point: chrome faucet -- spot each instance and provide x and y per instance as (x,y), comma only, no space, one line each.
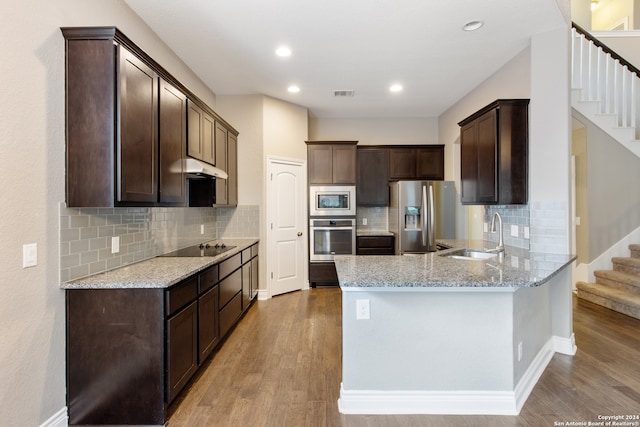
(500,247)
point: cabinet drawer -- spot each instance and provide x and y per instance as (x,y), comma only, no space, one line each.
(375,242)
(246,255)
(230,286)
(230,314)
(181,294)
(208,279)
(375,251)
(228,266)
(254,250)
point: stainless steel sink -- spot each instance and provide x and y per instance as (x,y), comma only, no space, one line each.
(471,254)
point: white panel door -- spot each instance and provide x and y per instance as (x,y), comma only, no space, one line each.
(288,228)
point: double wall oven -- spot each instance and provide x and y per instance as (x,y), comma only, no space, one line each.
(332,223)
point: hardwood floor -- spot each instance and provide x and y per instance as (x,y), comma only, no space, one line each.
(281,366)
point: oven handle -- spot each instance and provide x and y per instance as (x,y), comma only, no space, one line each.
(331,228)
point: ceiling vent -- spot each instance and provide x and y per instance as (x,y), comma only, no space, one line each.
(339,93)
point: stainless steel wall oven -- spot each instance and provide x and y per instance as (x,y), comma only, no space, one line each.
(331,236)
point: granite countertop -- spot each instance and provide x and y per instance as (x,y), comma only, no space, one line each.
(518,268)
(158,272)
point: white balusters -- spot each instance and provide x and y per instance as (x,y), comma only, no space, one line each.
(605,80)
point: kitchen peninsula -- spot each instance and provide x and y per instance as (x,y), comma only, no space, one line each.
(431,334)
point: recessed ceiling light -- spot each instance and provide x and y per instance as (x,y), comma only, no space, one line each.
(293,89)
(283,51)
(473,25)
(396,88)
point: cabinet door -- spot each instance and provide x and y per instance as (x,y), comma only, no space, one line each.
(344,164)
(137,143)
(246,285)
(254,277)
(430,162)
(402,163)
(372,186)
(232,169)
(195,146)
(320,158)
(173,135)
(222,195)
(182,349)
(468,162)
(201,135)
(208,321)
(487,152)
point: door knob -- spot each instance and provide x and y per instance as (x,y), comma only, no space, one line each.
(299,233)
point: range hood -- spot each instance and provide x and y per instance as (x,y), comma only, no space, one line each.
(194,166)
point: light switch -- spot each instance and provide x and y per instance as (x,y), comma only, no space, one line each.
(514,231)
(115,244)
(29,255)
(526,232)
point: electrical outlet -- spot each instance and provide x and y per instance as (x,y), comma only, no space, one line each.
(520,351)
(526,232)
(362,309)
(364,221)
(201,228)
(29,255)
(514,231)
(115,244)
(486,227)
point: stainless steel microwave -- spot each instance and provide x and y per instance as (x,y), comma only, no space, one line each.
(332,200)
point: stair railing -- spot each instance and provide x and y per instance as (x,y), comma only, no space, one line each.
(606,77)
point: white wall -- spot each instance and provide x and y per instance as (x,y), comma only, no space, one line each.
(245,114)
(267,127)
(376,131)
(285,129)
(32,314)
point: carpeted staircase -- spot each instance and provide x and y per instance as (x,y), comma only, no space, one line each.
(617,289)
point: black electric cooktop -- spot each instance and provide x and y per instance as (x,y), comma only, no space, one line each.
(203,249)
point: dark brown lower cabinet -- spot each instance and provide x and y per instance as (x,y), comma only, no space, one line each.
(323,274)
(130,352)
(230,300)
(182,348)
(115,356)
(375,245)
(208,321)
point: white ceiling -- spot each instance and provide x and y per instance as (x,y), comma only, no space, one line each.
(360,45)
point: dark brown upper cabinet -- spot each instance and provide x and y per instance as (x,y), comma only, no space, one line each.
(494,145)
(126,123)
(201,143)
(331,162)
(226,144)
(418,162)
(173,135)
(372,187)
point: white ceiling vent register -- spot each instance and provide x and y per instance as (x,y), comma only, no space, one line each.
(338,93)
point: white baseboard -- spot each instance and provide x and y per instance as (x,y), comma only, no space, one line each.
(565,345)
(263,294)
(474,402)
(59,419)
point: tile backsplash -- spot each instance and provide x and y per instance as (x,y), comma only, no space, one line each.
(512,215)
(86,233)
(377,218)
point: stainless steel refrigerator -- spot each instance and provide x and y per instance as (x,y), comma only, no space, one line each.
(421,212)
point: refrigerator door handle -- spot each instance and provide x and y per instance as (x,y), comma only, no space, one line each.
(423,212)
(432,230)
